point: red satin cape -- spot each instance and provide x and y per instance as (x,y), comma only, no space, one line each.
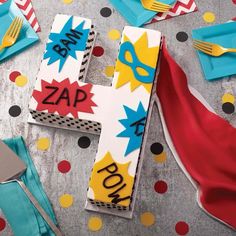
(205,143)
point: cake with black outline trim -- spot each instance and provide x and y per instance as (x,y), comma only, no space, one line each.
(118,113)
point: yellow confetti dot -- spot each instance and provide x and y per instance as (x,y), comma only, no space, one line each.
(66,200)
(161,158)
(109,71)
(95,223)
(21,80)
(43,143)
(209,17)
(68,1)
(114,34)
(147,219)
(228,97)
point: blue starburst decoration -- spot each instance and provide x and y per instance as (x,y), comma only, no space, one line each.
(134,127)
(66,43)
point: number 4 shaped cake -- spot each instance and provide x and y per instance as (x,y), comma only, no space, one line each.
(119,113)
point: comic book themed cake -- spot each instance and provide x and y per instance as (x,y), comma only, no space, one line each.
(119,113)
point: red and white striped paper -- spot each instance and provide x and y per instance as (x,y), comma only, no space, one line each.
(28,11)
(181,7)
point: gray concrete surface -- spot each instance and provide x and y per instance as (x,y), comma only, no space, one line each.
(179,203)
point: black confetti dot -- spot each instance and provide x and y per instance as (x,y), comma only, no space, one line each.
(14,111)
(157,148)
(182,36)
(228,108)
(105,12)
(84,142)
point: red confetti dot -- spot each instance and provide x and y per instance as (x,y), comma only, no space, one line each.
(14,75)
(234,1)
(182,228)
(160,187)
(2,224)
(234,19)
(98,51)
(64,166)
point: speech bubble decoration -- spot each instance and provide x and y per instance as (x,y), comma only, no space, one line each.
(110,179)
(134,127)
(64,97)
(118,113)
(66,43)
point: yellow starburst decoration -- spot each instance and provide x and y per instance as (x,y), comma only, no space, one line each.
(111,182)
(147,56)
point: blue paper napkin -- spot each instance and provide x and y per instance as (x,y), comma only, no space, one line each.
(20,213)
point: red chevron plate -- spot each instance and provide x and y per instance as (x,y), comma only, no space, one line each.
(181,7)
(28,11)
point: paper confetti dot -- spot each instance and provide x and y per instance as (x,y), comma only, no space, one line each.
(182,228)
(84,142)
(43,144)
(105,12)
(14,111)
(147,219)
(109,71)
(95,223)
(234,1)
(182,36)
(64,166)
(114,34)
(161,187)
(21,80)
(68,1)
(66,200)
(13,75)
(161,158)
(2,224)
(98,51)
(156,148)
(228,108)
(228,97)
(209,17)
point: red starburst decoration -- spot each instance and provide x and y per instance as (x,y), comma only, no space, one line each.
(64,97)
